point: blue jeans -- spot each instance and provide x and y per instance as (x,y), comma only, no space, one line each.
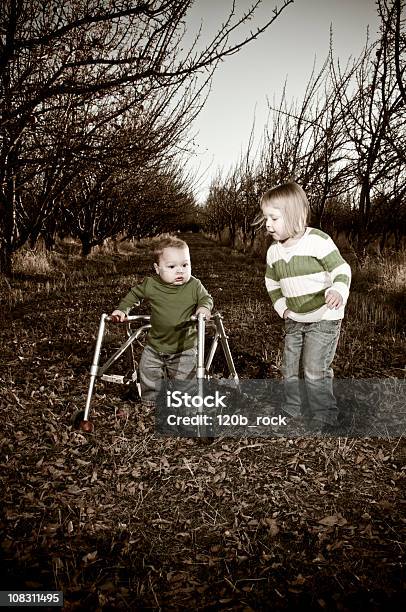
(155,367)
(311,346)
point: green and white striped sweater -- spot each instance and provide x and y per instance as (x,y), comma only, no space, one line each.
(299,276)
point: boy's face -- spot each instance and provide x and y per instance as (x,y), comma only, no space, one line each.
(174,266)
(274,221)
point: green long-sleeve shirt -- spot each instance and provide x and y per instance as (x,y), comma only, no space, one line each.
(171,309)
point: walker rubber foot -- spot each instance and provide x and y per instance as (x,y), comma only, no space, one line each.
(78,422)
(86,426)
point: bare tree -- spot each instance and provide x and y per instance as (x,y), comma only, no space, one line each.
(113,52)
(373,121)
(306,143)
(115,162)
(392,20)
(215,217)
(345,143)
(161,201)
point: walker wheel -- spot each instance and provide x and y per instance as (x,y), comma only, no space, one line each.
(78,422)
(76,418)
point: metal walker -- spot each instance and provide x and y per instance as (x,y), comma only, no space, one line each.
(81,418)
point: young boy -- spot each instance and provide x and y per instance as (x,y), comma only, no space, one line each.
(174,296)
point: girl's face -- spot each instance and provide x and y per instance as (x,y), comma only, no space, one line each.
(174,266)
(275,224)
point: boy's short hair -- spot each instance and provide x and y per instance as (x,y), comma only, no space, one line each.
(165,241)
(292,201)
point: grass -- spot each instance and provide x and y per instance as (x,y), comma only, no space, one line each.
(372,335)
(388,272)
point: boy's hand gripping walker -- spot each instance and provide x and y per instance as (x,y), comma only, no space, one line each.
(81,418)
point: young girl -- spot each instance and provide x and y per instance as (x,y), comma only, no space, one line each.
(308,282)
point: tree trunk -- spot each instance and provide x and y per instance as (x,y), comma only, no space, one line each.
(5,259)
(382,242)
(6,229)
(232,230)
(49,240)
(363,222)
(86,246)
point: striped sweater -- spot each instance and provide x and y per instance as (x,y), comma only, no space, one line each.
(298,277)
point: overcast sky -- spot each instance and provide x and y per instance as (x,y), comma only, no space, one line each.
(243,82)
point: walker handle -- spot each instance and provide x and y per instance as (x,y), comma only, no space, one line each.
(129,318)
(195,317)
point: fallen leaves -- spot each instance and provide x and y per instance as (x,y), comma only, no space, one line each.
(123,517)
(332,520)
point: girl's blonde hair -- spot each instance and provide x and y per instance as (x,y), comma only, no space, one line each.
(291,200)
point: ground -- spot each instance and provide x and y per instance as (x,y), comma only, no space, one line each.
(125,519)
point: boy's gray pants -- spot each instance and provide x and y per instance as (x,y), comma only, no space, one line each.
(155,367)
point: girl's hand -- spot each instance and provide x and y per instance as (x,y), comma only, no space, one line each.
(118,316)
(286,313)
(334,299)
(204,311)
